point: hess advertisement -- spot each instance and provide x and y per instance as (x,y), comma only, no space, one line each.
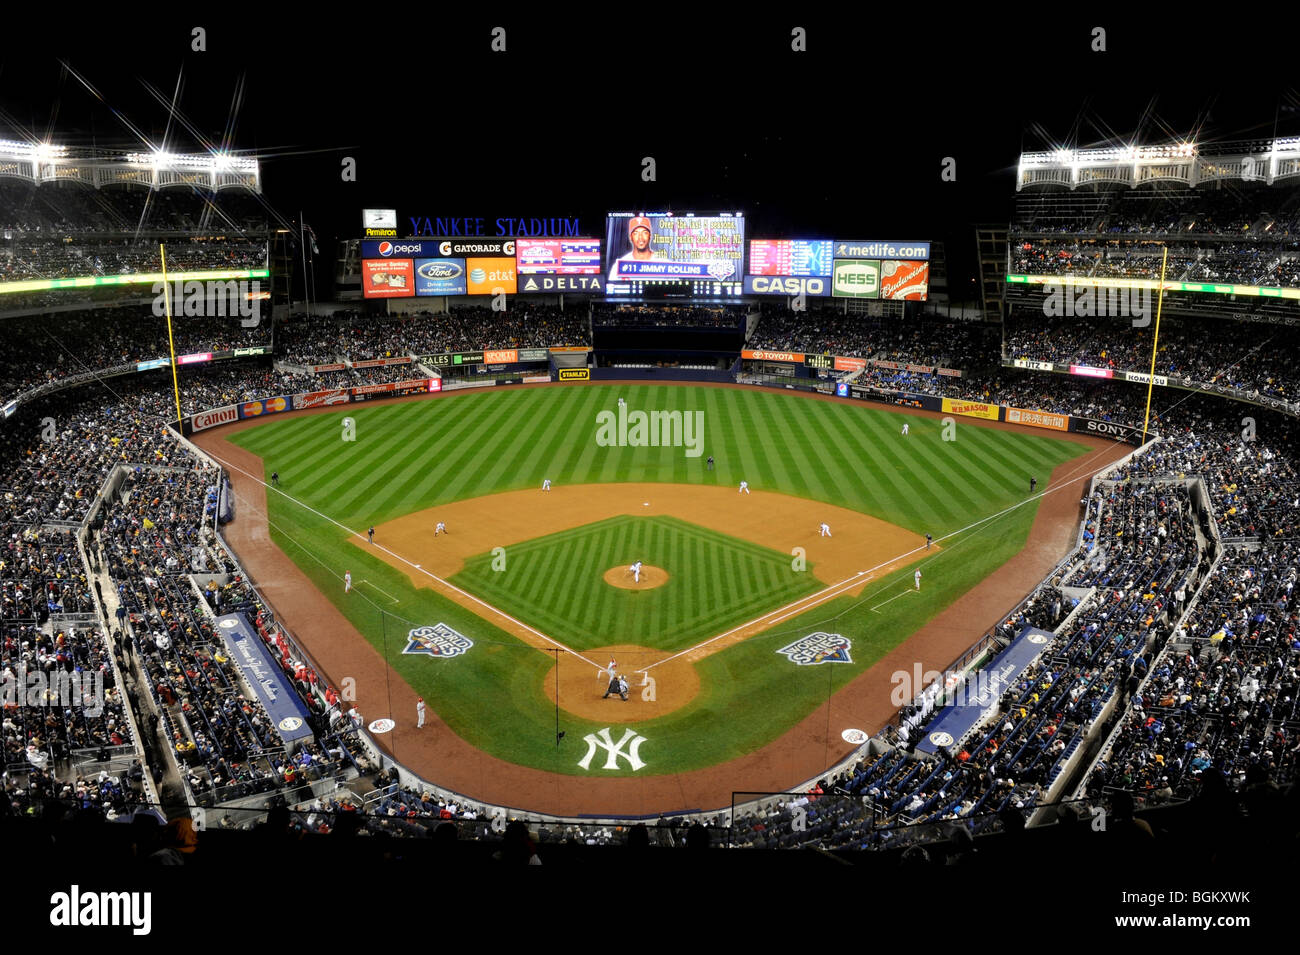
(706,251)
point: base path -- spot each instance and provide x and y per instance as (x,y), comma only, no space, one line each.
(803,752)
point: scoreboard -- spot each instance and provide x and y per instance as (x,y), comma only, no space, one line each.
(790,257)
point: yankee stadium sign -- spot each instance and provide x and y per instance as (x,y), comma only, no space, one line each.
(817,648)
(505,226)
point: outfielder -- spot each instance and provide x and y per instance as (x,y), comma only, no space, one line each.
(917,576)
(744,486)
(905,427)
(347,582)
(826,529)
(440,529)
(546,484)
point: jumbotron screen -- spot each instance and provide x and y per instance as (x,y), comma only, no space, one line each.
(699,256)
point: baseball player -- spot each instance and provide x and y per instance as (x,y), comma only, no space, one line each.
(905,429)
(371,532)
(826,529)
(275,478)
(917,577)
(440,529)
(347,582)
(609,672)
(419,712)
(636,572)
(621,402)
(1033,483)
(928,539)
(546,484)
(710,462)
(744,486)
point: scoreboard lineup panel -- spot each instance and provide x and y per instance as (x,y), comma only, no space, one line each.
(790,257)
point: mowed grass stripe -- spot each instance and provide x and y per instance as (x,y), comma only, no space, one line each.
(428,463)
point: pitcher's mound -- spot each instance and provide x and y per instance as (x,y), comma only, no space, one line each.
(651,577)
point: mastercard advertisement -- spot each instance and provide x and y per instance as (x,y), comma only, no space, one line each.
(484,276)
(388,278)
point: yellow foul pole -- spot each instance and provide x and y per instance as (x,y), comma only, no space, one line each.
(171,343)
(1155,343)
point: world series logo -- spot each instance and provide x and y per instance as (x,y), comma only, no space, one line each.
(437,641)
(817,648)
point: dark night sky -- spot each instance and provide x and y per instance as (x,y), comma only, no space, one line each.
(844,140)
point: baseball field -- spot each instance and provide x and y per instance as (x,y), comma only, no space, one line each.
(746,619)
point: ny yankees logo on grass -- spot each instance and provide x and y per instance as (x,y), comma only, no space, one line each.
(437,641)
(602,739)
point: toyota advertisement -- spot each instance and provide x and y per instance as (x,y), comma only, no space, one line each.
(703,255)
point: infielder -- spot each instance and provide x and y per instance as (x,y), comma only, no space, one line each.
(546,484)
(917,576)
(440,529)
(419,712)
(744,486)
(347,582)
(826,529)
(905,426)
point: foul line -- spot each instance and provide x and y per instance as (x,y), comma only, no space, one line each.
(835,590)
(434,577)
(881,604)
(381,590)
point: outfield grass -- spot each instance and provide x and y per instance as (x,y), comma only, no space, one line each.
(555,583)
(414,455)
